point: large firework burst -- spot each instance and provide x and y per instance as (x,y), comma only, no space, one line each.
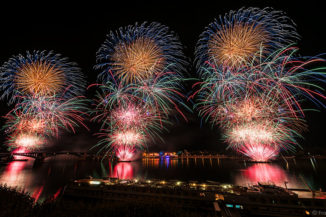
(235,38)
(120,109)
(39,78)
(259,106)
(280,79)
(40,73)
(138,52)
(34,120)
(137,60)
(24,131)
(56,113)
(140,86)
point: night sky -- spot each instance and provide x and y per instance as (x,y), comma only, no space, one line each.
(77,33)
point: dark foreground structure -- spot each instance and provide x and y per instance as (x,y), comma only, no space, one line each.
(204,199)
(113,197)
(15,203)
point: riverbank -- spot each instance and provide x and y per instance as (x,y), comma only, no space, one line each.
(16,203)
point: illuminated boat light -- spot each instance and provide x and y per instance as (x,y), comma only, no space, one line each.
(94,182)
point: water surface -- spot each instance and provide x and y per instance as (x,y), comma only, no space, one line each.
(49,177)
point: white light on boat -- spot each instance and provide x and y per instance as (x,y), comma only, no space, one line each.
(94,182)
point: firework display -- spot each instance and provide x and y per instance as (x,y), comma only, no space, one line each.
(138,52)
(40,73)
(140,86)
(259,153)
(234,39)
(46,90)
(253,83)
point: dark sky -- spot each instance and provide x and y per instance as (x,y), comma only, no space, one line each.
(78,31)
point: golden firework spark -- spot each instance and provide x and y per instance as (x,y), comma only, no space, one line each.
(137,60)
(235,45)
(39,78)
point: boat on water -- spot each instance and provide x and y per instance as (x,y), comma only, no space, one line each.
(262,199)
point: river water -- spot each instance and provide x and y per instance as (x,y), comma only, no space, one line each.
(49,177)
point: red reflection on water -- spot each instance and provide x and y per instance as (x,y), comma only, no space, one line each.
(123,170)
(18,151)
(12,171)
(37,193)
(11,175)
(17,173)
(265,173)
(55,196)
